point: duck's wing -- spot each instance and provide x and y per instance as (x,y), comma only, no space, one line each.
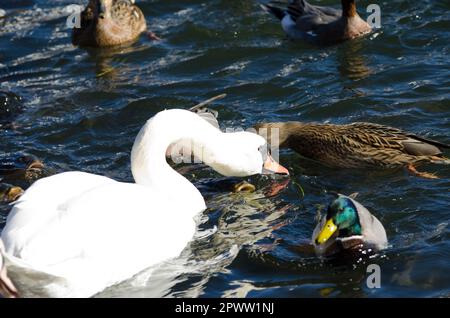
(385,137)
(126,13)
(303,13)
(316,20)
(206,113)
(372,229)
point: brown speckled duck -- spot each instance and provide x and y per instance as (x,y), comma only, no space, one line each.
(358,145)
(322,25)
(109,22)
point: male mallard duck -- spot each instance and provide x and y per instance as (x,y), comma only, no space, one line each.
(322,25)
(108,23)
(348,226)
(358,145)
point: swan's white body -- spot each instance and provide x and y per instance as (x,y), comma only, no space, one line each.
(83,232)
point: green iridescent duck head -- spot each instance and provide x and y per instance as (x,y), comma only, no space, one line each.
(342,216)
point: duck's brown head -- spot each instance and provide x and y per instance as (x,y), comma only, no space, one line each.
(278,133)
(108,23)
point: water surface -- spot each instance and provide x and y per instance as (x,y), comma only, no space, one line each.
(81,109)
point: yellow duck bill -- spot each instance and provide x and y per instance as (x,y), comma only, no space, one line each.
(326,232)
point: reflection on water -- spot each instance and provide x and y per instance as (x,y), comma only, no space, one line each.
(352,61)
(241,219)
(81,109)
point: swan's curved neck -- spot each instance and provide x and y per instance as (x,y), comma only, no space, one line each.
(148,156)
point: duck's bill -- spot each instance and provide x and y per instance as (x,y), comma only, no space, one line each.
(271,166)
(326,232)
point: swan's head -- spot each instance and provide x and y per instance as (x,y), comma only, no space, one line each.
(241,154)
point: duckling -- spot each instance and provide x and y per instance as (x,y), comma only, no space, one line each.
(358,145)
(318,24)
(22,169)
(9,193)
(109,22)
(348,226)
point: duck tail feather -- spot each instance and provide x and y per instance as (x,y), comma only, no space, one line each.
(441,161)
(277,12)
(430,141)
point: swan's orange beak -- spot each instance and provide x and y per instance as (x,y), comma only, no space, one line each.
(271,166)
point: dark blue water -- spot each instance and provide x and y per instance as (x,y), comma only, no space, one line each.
(81,109)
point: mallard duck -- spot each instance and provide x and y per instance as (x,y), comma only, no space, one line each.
(206,113)
(323,25)
(357,145)
(348,226)
(108,23)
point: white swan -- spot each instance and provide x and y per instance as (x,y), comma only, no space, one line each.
(74,234)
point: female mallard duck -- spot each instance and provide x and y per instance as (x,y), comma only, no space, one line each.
(358,145)
(108,23)
(348,226)
(321,25)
